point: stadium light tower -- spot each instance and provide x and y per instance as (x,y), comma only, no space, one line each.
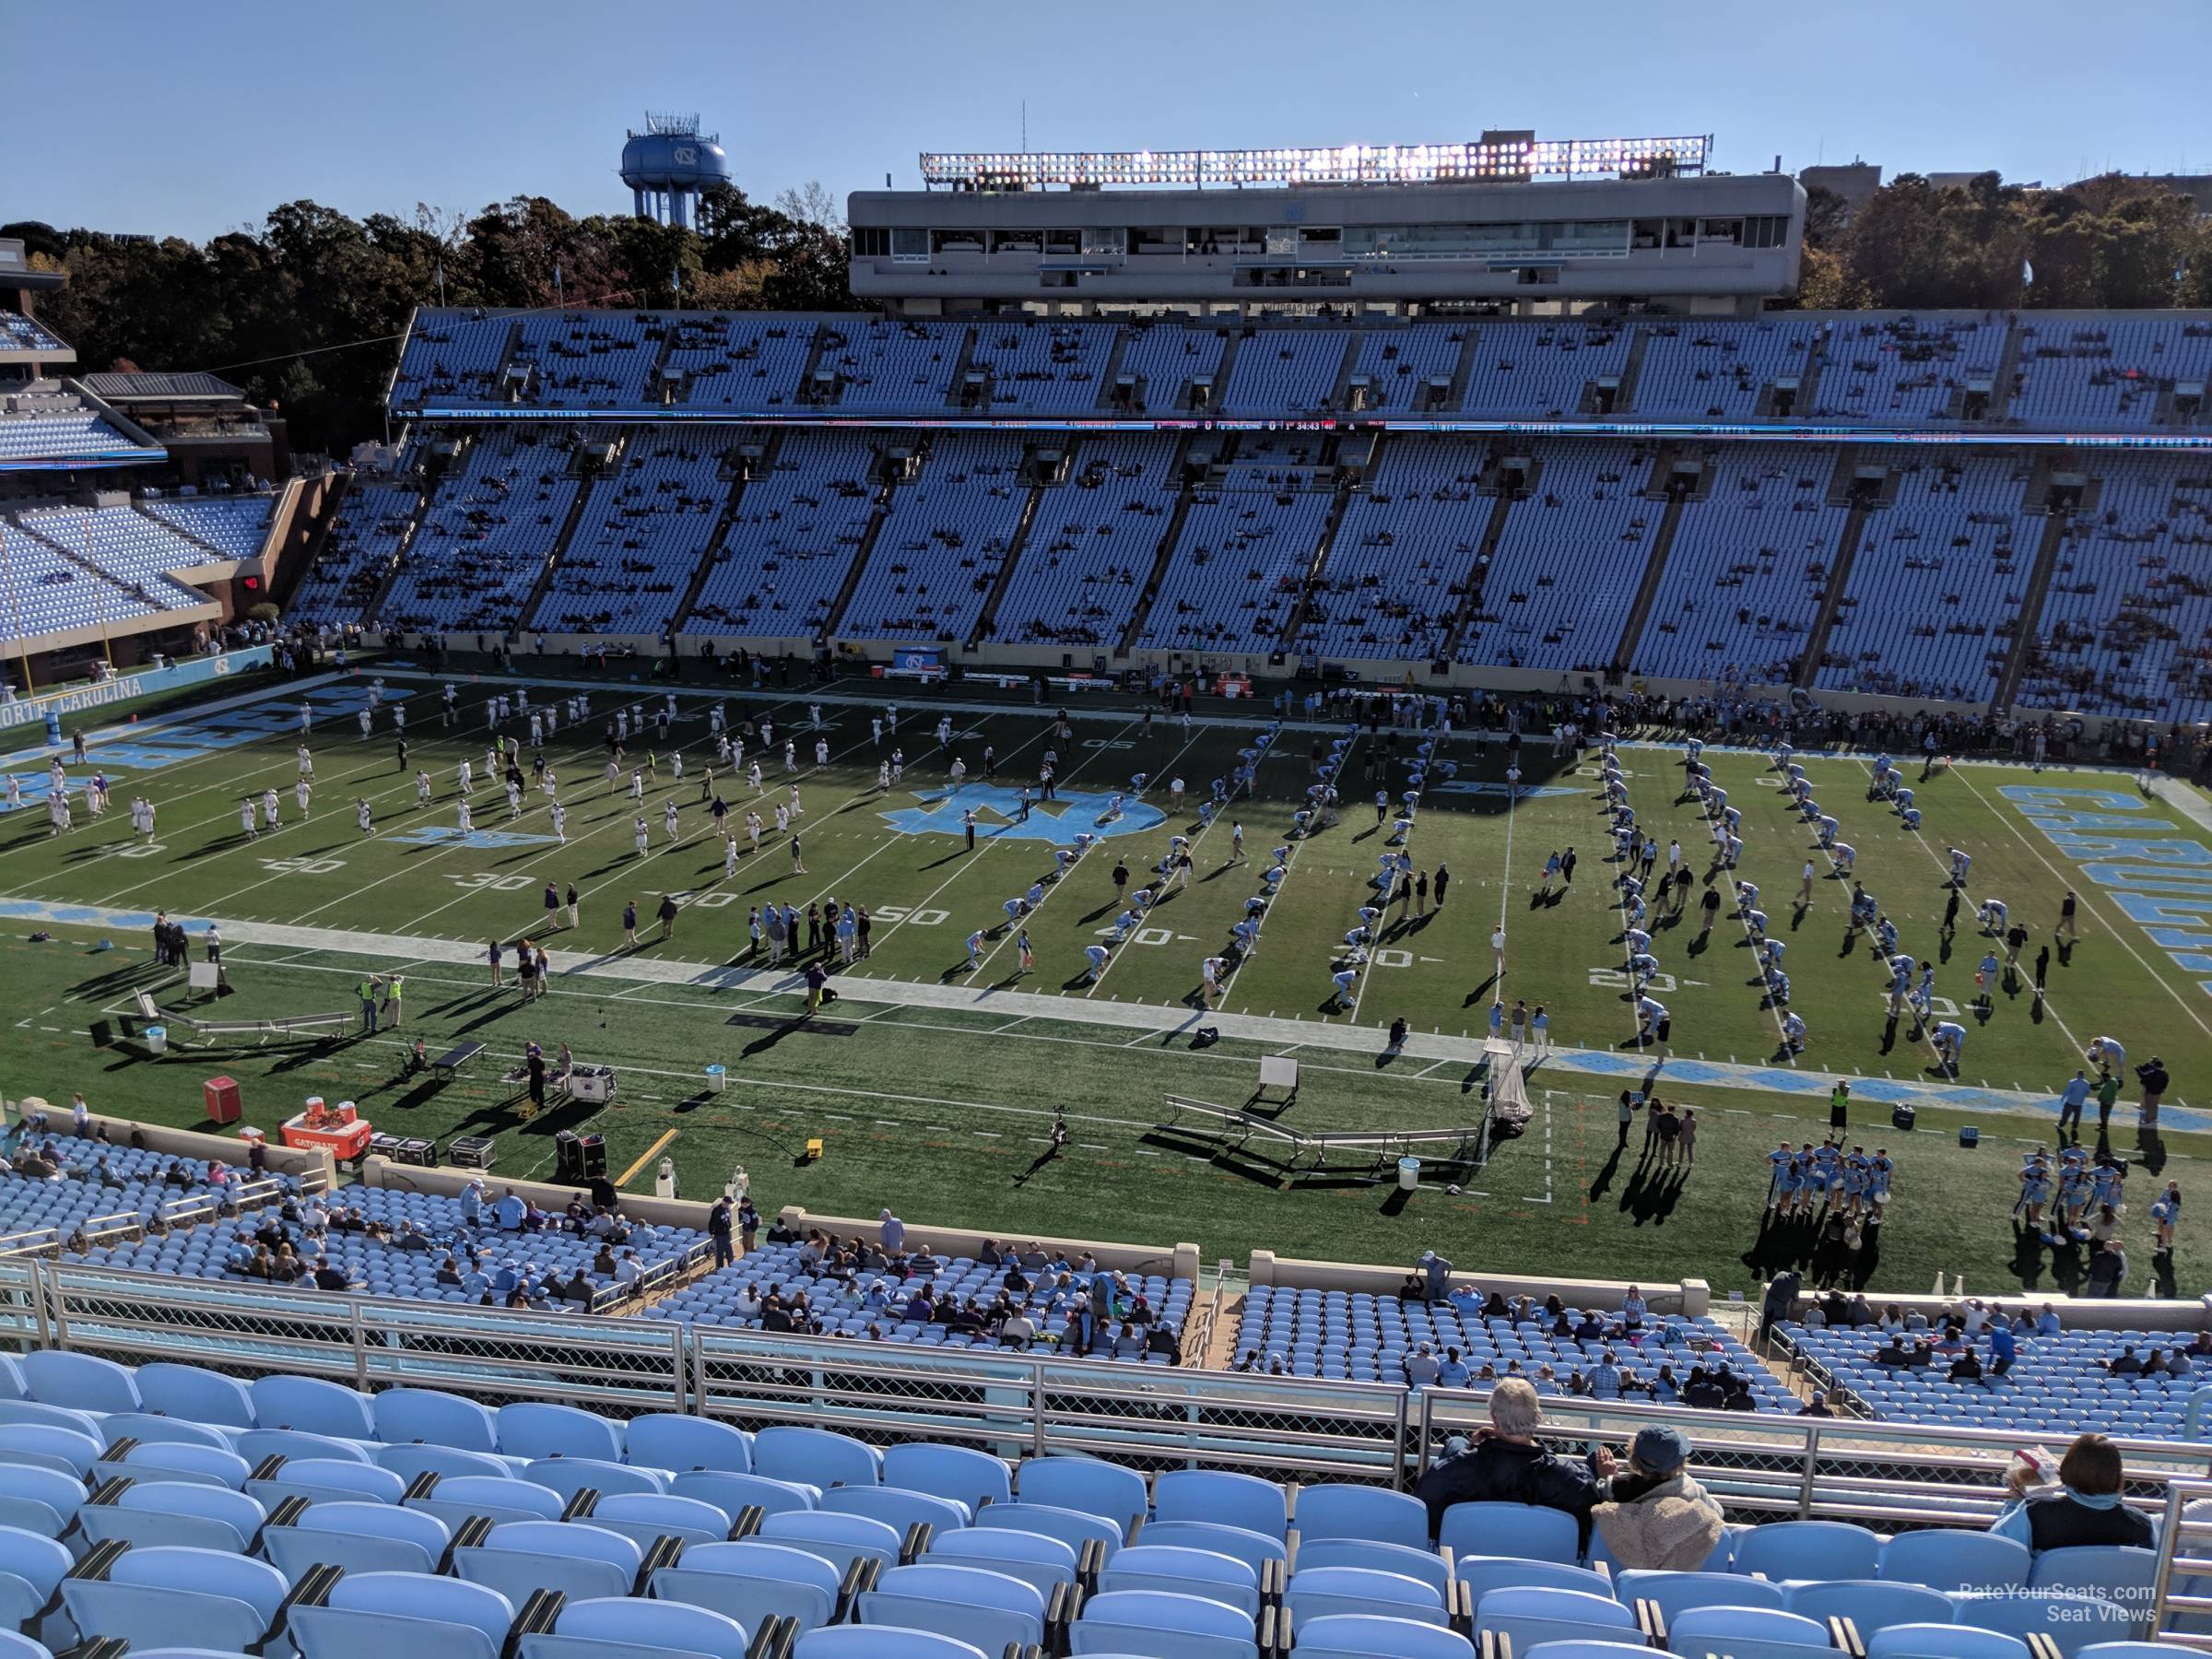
(669,165)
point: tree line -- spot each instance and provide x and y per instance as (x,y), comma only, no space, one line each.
(304,313)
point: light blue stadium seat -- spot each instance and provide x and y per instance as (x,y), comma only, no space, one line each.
(258,1445)
(1183,1572)
(433,1417)
(1529,1616)
(1255,1550)
(569,1476)
(2134,1649)
(678,1443)
(650,1516)
(895,1506)
(1676,1593)
(1072,1527)
(11,1378)
(359,1537)
(31,1568)
(179,1460)
(859,1641)
(521,1558)
(1363,1636)
(838,1539)
(43,1446)
(328,1481)
(195,1393)
(535,1429)
(16,1646)
(631,1628)
(1952,1558)
(970,1604)
(1809,1549)
(1522,1530)
(52,1417)
(751,1580)
(227,1601)
(1031,1557)
(410,1463)
(1357,1512)
(1087,1484)
(375,1615)
(1483,1574)
(1224,1499)
(1318,1591)
(459,1498)
(1745,1634)
(189,1514)
(149,1429)
(968,1477)
(41,1501)
(816,1457)
(313,1406)
(1869,1603)
(1943,1641)
(78,1381)
(1588,1650)
(2070,1620)
(733,1494)
(1163,1625)
(1427,1566)
(2118,1572)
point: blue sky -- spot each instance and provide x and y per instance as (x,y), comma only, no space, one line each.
(221,111)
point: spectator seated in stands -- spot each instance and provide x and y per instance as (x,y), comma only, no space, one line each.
(1653,1515)
(2085,1509)
(1506,1464)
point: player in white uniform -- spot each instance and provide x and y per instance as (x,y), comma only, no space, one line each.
(422,788)
(361,815)
(668,820)
(245,816)
(560,823)
(642,835)
(302,795)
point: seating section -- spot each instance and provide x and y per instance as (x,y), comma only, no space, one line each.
(42,422)
(2126,626)
(1343,1335)
(856,1302)
(234,527)
(885,366)
(1558,590)
(749,362)
(485,537)
(1091,545)
(126,545)
(941,545)
(20,332)
(645,527)
(48,592)
(1239,563)
(452,356)
(1539,371)
(356,553)
(1285,371)
(2106,373)
(1906,370)
(1166,358)
(288,1515)
(792,539)
(1400,364)
(587,360)
(1747,569)
(2055,1386)
(1045,368)
(1936,589)
(97,1187)
(1721,370)
(1403,555)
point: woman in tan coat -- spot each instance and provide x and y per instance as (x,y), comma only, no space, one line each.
(1655,1516)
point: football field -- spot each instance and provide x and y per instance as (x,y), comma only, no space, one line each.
(933,1081)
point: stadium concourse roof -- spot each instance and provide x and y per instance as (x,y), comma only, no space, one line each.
(160,388)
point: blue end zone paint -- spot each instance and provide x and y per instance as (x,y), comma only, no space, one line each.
(1051,822)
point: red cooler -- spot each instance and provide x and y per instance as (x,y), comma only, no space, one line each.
(223,1104)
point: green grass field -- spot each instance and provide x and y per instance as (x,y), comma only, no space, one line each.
(937,1101)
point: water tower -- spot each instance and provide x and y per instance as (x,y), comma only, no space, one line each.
(669,164)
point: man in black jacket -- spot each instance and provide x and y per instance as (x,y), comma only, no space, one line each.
(1506,1466)
(2152,1075)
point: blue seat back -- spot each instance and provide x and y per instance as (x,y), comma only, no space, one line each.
(1031,1557)
(437,1418)
(734,1494)
(1362,1635)
(652,1627)
(678,1443)
(1160,1622)
(537,1429)
(1183,1572)
(1745,1634)
(967,1477)
(411,1463)
(1358,1512)
(258,1445)
(1943,1641)
(647,1516)
(1809,1549)
(569,1476)
(1087,1484)
(1674,1593)
(145,1427)
(1512,1529)
(2119,1571)
(179,1460)
(838,1539)
(1223,1497)
(1869,1603)
(1483,1574)
(895,1506)
(1256,1549)
(1318,1591)
(1072,1527)
(1424,1565)
(39,1500)
(861,1642)
(78,1381)
(749,1580)
(312,1404)
(194,1391)
(359,1537)
(967,1603)
(2070,1620)
(1529,1616)
(1945,1558)
(46,1446)
(329,1480)
(816,1457)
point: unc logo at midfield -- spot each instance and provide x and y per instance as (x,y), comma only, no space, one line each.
(998,812)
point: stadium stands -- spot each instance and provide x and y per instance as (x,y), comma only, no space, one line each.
(943,541)
(1091,545)
(1720,370)
(1936,589)
(50,589)
(1747,569)
(294,1511)
(1907,371)
(792,539)
(1244,552)
(356,553)
(234,527)
(1045,369)
(2107,374)
(748,361)
(43,422)
(1540,372)
(20,332)
(1402,556)
(484,540)
(129,545)
(645,527)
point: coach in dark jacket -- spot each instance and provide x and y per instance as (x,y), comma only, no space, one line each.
(1506,1466)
